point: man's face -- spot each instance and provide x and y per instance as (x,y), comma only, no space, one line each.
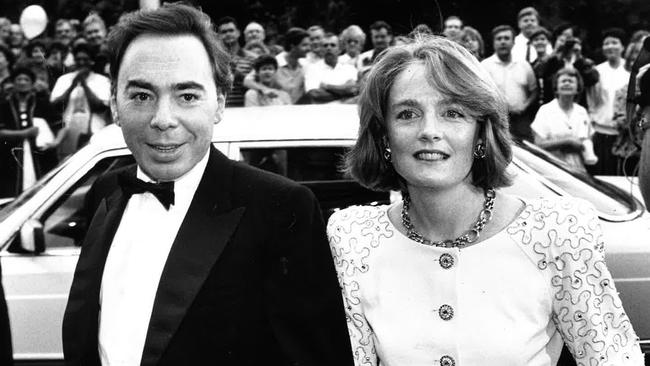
(452,28)
(612,48)
(380,38)
(331,47)
(503,42)
(316,41)
(5,31)
(539,43)
(167,103)
(94,33)
(83,60)
(527,24)
(16,36)
(38,53)
(266,74)
(63,33)
(229,34)
(254,32)
(23,83)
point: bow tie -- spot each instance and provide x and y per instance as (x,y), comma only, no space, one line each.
(131,185)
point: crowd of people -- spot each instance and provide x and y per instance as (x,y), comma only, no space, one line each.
(55,89)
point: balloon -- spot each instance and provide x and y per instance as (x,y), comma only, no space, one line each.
(33,21)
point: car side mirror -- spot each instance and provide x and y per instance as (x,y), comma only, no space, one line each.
(31,236)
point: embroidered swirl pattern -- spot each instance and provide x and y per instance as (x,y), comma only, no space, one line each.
(563,238)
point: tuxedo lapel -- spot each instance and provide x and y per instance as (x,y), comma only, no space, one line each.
(204,233)
(80,326)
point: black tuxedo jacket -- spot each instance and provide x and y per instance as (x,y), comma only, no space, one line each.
(249,279)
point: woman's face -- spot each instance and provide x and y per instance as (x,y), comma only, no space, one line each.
(567,85)
(23,83)
(353,46)
(266,73)
(471,43)
(431,139)
(612,48)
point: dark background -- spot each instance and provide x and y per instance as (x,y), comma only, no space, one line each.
(592,16)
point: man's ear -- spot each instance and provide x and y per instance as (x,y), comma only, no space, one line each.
(221,105)
(113,105)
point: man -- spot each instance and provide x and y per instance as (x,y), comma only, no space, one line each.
(254,32)
(241,60)
(515,79)
(94,29)
(316,35)
(453,28)
(613,76)
(5,24)
(63,32)
(528,22)
(225,264)
(290,75)
(330,80)
(381,35)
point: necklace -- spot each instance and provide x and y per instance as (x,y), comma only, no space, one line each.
(466,238)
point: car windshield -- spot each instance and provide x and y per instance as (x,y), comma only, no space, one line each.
(29,192)
(608,199)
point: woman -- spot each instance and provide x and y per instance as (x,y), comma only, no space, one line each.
(473,41)
(24,158)
(562,126)
(352,40)
(265,67)
(419,287)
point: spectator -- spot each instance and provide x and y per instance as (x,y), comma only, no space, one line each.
(63,32)
(516,81)
(527,21)
(17,40)
(328,80)
(257,48)
(613,76)
(56,56)
(381,35)
(24,155)
(626,148)
(473,41)
(83,96)
(453,27)
(353,38)
(316,34)
(539,40)
(562,126)
(94,29)
(290,76)
(421,29)
(265,67)
(6,63)
(36,50)
(254,32)
(5,24)
(241,61)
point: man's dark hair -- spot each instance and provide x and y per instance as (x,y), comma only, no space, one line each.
(378,25)
(8,55)
(503,28)
(226,20)
(57,46)
(33,44)
(293,37)
(173,19)
(614,33)
(528,11)
(85,48)
(264,60)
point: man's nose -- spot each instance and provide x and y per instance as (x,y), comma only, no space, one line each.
(165,117)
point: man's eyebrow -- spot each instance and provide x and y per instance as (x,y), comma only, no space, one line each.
(137,83)
(189,85)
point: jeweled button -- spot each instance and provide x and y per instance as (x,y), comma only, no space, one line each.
(446,312)
(447,361)
(446,261)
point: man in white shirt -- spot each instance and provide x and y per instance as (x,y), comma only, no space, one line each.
(329,80)
(527,21)
(453,28)
(613,76)
(515,79)
(190,258)
(381,35)
(254,32)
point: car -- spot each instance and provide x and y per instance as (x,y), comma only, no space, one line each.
(41,230)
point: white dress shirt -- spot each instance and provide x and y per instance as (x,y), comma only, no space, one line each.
(321,72)
(134,265)
(522,47)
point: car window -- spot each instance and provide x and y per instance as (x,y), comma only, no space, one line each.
(606,198)
(317,168)
(64,224)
